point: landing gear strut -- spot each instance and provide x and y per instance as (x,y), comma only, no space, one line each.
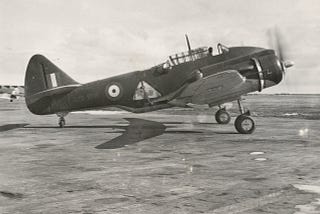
(62,121)
(244,124)
(222,116)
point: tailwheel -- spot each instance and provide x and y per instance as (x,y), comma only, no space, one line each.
(222,116)
(244,124)
(62,122)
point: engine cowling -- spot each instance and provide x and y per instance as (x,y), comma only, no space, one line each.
(258,67)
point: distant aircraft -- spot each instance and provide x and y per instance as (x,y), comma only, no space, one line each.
(11,92)
(192,77)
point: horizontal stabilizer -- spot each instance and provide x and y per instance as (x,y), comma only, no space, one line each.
(53,91)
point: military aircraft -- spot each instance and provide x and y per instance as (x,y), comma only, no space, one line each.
(11,92)
(196,76)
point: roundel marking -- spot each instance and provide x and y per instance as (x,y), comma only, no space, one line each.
(114,91)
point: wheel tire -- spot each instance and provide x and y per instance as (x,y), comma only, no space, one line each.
(244,124)
(62,123)
(222,117)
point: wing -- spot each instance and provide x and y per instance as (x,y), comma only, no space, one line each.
(213,89)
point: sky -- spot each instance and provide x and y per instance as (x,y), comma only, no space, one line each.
(95,39)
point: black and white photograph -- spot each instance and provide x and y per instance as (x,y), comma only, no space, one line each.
(159,106)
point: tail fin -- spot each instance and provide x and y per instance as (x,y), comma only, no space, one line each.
(42,79)
(42,75)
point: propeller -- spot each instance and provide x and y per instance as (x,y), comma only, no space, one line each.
(278,44)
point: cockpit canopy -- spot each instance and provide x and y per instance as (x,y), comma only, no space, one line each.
(191,55)
(188,56)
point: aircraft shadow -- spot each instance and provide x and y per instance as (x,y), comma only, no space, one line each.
(137,131)
(8,127)
(77,127)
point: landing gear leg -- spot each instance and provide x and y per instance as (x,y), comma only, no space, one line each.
(244,124)
(222,116)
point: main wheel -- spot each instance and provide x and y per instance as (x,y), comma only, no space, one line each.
(222,116)
(244,124)
(62,122)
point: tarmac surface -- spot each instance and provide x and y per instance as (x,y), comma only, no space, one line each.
(170,161)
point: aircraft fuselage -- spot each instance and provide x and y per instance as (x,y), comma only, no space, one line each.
(260,68)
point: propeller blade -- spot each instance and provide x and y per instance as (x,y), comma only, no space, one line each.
(277,43)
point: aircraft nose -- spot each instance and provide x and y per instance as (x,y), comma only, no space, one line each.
(277,76)
(278,73)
